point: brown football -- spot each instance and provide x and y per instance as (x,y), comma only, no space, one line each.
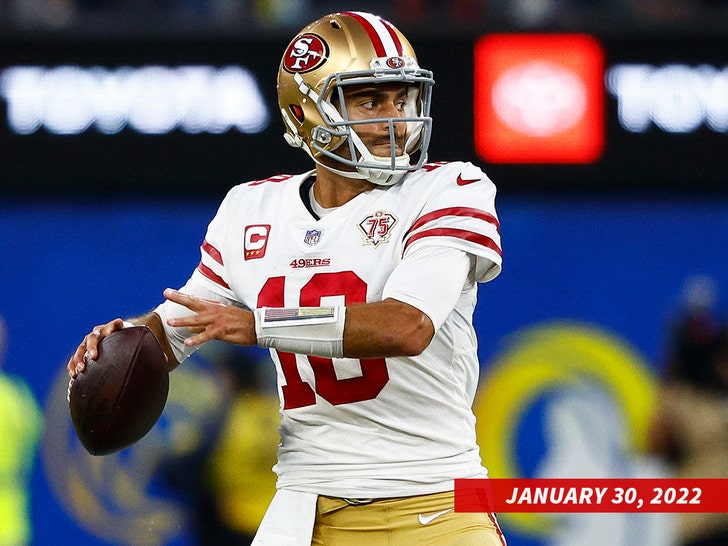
(121,394)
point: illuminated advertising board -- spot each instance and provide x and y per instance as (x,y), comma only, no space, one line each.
(540,112)
(558,111)
(539,98)
(150,117)
(69,100)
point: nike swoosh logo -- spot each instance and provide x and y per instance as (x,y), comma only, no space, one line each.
(426,520)
(465,181)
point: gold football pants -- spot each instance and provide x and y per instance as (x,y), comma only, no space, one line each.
(425,520)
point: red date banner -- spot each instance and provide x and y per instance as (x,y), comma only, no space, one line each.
(591,495)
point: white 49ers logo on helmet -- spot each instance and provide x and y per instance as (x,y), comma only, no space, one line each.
(305,53)
(377,227)
(395,62)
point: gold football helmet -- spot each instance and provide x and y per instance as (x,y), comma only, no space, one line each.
(352,48)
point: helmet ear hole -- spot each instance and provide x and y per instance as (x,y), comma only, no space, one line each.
(297,112)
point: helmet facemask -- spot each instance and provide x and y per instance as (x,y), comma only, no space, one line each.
(339,128)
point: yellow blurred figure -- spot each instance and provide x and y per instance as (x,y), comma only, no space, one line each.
(20,427)
(241,469)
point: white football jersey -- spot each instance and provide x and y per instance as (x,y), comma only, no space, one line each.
(380,427)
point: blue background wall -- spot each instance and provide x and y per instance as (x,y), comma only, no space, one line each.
(616,264)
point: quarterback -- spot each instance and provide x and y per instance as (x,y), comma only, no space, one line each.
(361,278)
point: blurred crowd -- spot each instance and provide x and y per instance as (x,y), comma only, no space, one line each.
(224,480)
(690,429)
(447,16)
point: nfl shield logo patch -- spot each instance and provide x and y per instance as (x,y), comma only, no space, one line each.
(312,237)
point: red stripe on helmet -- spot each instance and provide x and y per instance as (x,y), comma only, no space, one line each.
(374,35)
(395,37)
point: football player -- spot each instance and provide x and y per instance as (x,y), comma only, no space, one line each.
(361,277)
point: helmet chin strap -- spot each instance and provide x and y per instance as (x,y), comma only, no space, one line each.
(384,176)
(380,177)
(347,174)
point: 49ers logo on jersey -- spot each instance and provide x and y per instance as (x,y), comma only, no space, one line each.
(377,227)
(255,241)
(305,53)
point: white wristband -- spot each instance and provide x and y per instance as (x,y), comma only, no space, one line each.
(128,324)
(316,331)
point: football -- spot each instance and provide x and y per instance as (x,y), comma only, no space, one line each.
(120,395)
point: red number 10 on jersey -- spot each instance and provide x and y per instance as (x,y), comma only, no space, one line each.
(298,393)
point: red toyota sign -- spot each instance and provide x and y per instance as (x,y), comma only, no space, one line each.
(539,98)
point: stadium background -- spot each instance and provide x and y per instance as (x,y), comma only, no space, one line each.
(573,333)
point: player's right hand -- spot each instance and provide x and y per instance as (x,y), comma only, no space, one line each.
(88,347)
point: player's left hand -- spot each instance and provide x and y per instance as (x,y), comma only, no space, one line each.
(213,320)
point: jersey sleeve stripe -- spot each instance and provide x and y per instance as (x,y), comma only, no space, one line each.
(210,274)
(454,211)
(211,251)
(463,234)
